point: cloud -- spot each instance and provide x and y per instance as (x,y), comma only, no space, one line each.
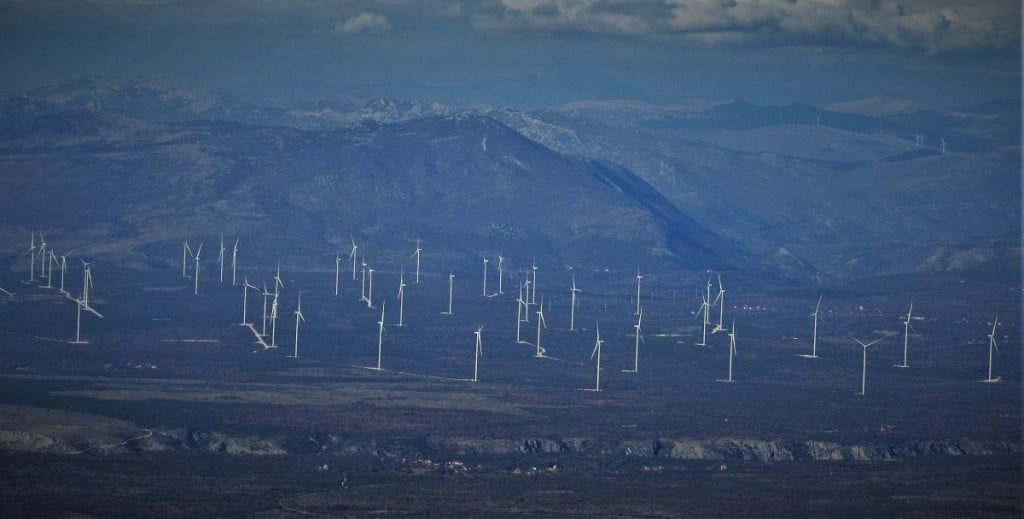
(363,22)
(928,25)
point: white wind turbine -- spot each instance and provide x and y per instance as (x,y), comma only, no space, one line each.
(352,256)
(266,295)
(597,354)
(32,259)
(369,290)
(234,261)
(278,284)
(636,347)
(519,316)
(526,302)
(864,365)
(942,146)
(362,281)
(814,337)
(638,278)
(451,284)
(485,277)
(83,302)
(220,258)
(906,336)
(732,351)
(337,272)
(992,346)
(186,251)
(533,298)
(572,304)
(401,297)
(63,271)
(42,255)
(245,300)
(198,251)
(501,274)
(49,275)
(298,318)
(705,307)
(417,254)
(273,323)
(380,334)
(540,324)
(720,301)
(479,351)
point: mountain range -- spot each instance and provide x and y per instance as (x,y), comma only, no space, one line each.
(135,166)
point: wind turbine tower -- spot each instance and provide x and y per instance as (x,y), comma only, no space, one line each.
(992,346)
(533,297)
(864,365)
(401,297)
(417,254)
(352,256)
(540,324)
(298,318)
(369,290)
(451,292)
(732,350)
(637,338)
(478,353)
(186,251)
(266,295)
(814,337)
(63,270)
(519,315)
(638,278)
(245,301)
(380,334)
(720,300)
(32,259)
(705,307)
(42,255)
(195,291)
(273,323)
(906,335)
(220,257)
(501,274)
(485,277)
(572,304)
(597,354)
(234,261)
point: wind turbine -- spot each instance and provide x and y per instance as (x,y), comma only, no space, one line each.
(572,304)
(278,284)
(63,270)
(918,139)
(636,347)
(906,335)
(337,272)
(597,354)
(369,290)
(451,283)
(362,281)
(86,283)
(186,251)
(814,337)
(42,255)
(732,351)
(540,324)
(864,366)
(273,323)
(720,300)
(266,294)
(245,300)
(417,254)
(198,251)
(49,275)
(942,146)
(352,256)
(298,317)
(992,346)
(32,259)
(533,298)
(479,351)
(234,261)
(526,302)
(519,315)
(485,277)
(380,334)
(501,265)
(220,257)
(401,297)
(638,278)
(705,307)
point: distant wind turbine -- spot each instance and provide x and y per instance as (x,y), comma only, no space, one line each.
(732,350)
(572,304)
(636,347)
(337,272)
(298,318)
(992,346)
(362,281)
(451,292)
(273,323)
(63,271)
(638,278)
(369,290)
(705,307)
(186,251)
(533,297)
(417,254)
(32,259)
(42,255)
(220,257)
(501,274)
(380,334)
(814,337)
(485,277)
(245,301)
(540,324)
(266,295)
(596,354)
(401,297)
(198,251)
(49,273)
(519,315)
(906,336)
(479,350)
(234,261)
(720,301)
(864,365)
(352,256)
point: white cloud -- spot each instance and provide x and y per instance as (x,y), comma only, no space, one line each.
(363,22)
(928,25)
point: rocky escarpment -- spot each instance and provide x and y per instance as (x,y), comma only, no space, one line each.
(724,449)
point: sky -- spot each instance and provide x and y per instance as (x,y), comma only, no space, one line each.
(529,53)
